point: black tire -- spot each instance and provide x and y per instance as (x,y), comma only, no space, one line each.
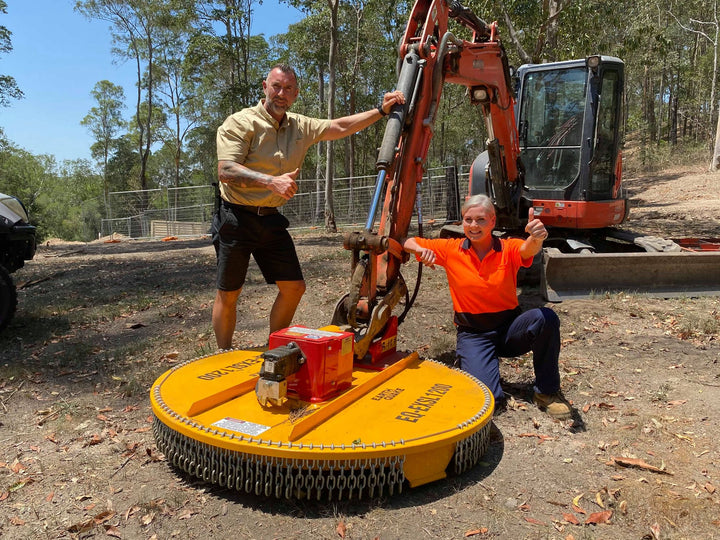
(8,298)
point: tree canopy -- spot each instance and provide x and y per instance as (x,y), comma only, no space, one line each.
(8,87)
(197,62)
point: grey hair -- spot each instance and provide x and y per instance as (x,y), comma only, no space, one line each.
(478,200)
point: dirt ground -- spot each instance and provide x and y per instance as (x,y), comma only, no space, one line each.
(97,323)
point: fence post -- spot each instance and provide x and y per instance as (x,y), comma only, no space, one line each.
(453,194)
(429,182)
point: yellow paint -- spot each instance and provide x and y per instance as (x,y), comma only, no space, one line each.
(416,409)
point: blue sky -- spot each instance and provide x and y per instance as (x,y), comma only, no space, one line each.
(58,55)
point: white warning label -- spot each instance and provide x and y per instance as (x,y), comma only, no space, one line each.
(241,426)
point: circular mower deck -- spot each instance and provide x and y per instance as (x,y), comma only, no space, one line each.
(409,422)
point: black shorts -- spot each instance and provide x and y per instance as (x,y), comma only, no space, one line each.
(237,234)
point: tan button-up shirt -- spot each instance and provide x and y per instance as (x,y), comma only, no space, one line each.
(253,138)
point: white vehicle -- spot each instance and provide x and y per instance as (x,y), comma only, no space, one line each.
(17,245)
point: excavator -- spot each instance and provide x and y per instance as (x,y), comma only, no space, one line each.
(339,411)
(554,145)
(555,148)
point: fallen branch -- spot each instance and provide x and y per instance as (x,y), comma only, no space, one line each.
(4,401)
(66,253)
(121,466)
(638,464)
(27,284)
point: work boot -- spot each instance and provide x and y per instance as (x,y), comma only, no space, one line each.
(500,407)
(553,404)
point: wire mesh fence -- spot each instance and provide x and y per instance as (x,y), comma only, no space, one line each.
(188,210)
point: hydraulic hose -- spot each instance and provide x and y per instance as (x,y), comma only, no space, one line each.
(409,301)
(438,75)
(407,83)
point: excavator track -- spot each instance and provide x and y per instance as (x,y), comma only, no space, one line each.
(407,424)
(666,275)
(667,269)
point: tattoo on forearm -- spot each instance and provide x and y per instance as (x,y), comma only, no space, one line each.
(244,177)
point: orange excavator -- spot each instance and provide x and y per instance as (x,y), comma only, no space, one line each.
(554,133)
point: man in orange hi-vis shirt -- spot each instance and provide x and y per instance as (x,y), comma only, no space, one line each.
(482,274)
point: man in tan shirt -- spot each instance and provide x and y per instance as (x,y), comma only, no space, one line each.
(260,151)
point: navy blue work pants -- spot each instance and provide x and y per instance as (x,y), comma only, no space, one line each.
(536,330)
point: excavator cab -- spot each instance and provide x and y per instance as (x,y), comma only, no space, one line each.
(569,119)
(569,126)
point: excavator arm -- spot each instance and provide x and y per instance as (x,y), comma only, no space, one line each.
(429,56)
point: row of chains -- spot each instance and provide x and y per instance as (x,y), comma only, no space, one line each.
(469,451)
(281,477)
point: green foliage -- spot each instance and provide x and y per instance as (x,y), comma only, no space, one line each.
(104,121)
(65,203)
(198,64)
(22,174)
(8,87)
(71,206)
(123,165)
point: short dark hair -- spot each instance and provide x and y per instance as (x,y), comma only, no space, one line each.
(288,70)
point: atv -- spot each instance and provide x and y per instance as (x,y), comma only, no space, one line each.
(17,245)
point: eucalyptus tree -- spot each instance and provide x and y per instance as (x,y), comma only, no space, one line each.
(8,87)
(214,94)
(666,81)
(158,126)
(223,68)
(540,43)
(708,31)
(104,121)
(333,8)
(305,47)
(367,65)
(223,40)
(135,28)
(348,31)
(326,12)
(175,92)
(700,21)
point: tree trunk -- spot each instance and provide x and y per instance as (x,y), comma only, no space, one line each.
(330,225)
(319,149)
(525,58)
(715,163)
(716,44)
(350,154)
(674,121)
(649,106)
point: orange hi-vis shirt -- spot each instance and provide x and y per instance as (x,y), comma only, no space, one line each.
(484,292)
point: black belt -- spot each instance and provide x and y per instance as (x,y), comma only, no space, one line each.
(257,210)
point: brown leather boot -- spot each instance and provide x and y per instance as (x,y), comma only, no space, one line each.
(553,404)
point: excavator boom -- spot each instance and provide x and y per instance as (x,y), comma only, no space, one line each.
(429,56)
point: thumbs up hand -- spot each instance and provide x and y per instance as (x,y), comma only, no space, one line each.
(535,228)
